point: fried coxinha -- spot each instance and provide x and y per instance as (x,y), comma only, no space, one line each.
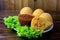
(42,22)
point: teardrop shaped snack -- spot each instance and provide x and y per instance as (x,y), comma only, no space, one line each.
(40,23)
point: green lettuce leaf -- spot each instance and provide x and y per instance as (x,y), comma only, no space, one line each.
(12,22)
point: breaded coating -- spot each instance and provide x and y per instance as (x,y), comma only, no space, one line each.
(26,10)
(38,12)
(40,23)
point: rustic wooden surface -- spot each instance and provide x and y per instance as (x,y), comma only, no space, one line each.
(6,34)
(51,5)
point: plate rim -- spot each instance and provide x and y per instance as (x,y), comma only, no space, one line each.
(49,29)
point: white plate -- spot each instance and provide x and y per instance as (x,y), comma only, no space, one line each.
(50,28)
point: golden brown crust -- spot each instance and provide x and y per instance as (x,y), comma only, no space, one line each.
(47,16)
(26,10)
(38,12)
(37,23)
(40,23)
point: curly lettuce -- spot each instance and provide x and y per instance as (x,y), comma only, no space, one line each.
(12,22)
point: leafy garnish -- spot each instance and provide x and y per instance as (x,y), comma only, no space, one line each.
(12,22)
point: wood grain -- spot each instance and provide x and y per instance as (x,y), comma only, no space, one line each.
(2,4)
(50,5)
(6,4)
(25,3)
(17,4)
(31,4)
(58,5)
(28,3)
(38,4)
(12,4)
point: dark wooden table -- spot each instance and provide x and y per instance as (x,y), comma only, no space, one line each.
(6,34)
